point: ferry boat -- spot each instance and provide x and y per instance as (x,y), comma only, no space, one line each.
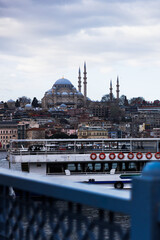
(94,161)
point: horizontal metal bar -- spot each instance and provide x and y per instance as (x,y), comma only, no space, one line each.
(95,196)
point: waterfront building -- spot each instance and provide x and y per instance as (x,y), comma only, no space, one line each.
(87,132)
(23,126)
(36,133)
(8,131)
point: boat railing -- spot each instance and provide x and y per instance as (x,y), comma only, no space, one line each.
(60,209)
(94,172)
(85,151)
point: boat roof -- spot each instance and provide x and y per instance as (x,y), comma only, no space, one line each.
(86,140)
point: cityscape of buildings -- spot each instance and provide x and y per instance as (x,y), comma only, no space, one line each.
(67,112)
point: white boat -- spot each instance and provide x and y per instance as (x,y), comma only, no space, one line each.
(93,161)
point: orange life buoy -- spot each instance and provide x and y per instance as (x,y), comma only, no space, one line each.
(149,155)
(139,155)
(121,155)
(130,155)
(93,156)
(102,156)
(112,156)
(157,155)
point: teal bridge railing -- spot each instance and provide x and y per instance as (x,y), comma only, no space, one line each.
(43,209)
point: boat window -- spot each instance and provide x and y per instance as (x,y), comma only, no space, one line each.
(55,168)
(79,167)
(106,167)
(132,166)
(25,167)
(114,165)
(89,167)
(98,167)
(123,167)
(145,146)
(71,167)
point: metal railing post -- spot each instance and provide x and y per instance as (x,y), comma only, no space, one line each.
(146,204)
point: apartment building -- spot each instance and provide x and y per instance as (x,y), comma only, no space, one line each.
(8,131)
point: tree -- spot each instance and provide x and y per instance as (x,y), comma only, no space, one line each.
(5,105)
(123,100)
(116,114)
(17,103)
(59,135)
(106,98)
(35,102)
(24,100)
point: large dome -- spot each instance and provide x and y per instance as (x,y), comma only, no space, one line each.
(63,81)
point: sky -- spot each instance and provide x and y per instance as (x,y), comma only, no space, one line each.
(42,41)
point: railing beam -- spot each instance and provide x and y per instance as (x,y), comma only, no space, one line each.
(94,196)
(145,204)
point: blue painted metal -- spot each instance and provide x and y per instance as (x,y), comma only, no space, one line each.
(68,210)
(146,203)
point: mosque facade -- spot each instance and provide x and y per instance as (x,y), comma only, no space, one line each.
(64,94)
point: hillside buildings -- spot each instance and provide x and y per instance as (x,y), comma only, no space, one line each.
(67,112)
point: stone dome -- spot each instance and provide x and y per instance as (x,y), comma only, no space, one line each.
(49,92)
(64,93)
(10,101)
(62,81)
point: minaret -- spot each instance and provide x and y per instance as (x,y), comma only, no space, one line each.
(79,80)
(85,83)
(111,94)
(117,89)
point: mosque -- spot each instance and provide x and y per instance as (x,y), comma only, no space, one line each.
(64,94)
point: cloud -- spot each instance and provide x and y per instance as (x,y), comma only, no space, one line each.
(44,39)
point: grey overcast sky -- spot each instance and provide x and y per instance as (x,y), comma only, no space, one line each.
(41,41)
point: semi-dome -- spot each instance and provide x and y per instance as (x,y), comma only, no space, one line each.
(62,81)
(79,93)
(63,105)
(64,93)
(49,92)
(10,101)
